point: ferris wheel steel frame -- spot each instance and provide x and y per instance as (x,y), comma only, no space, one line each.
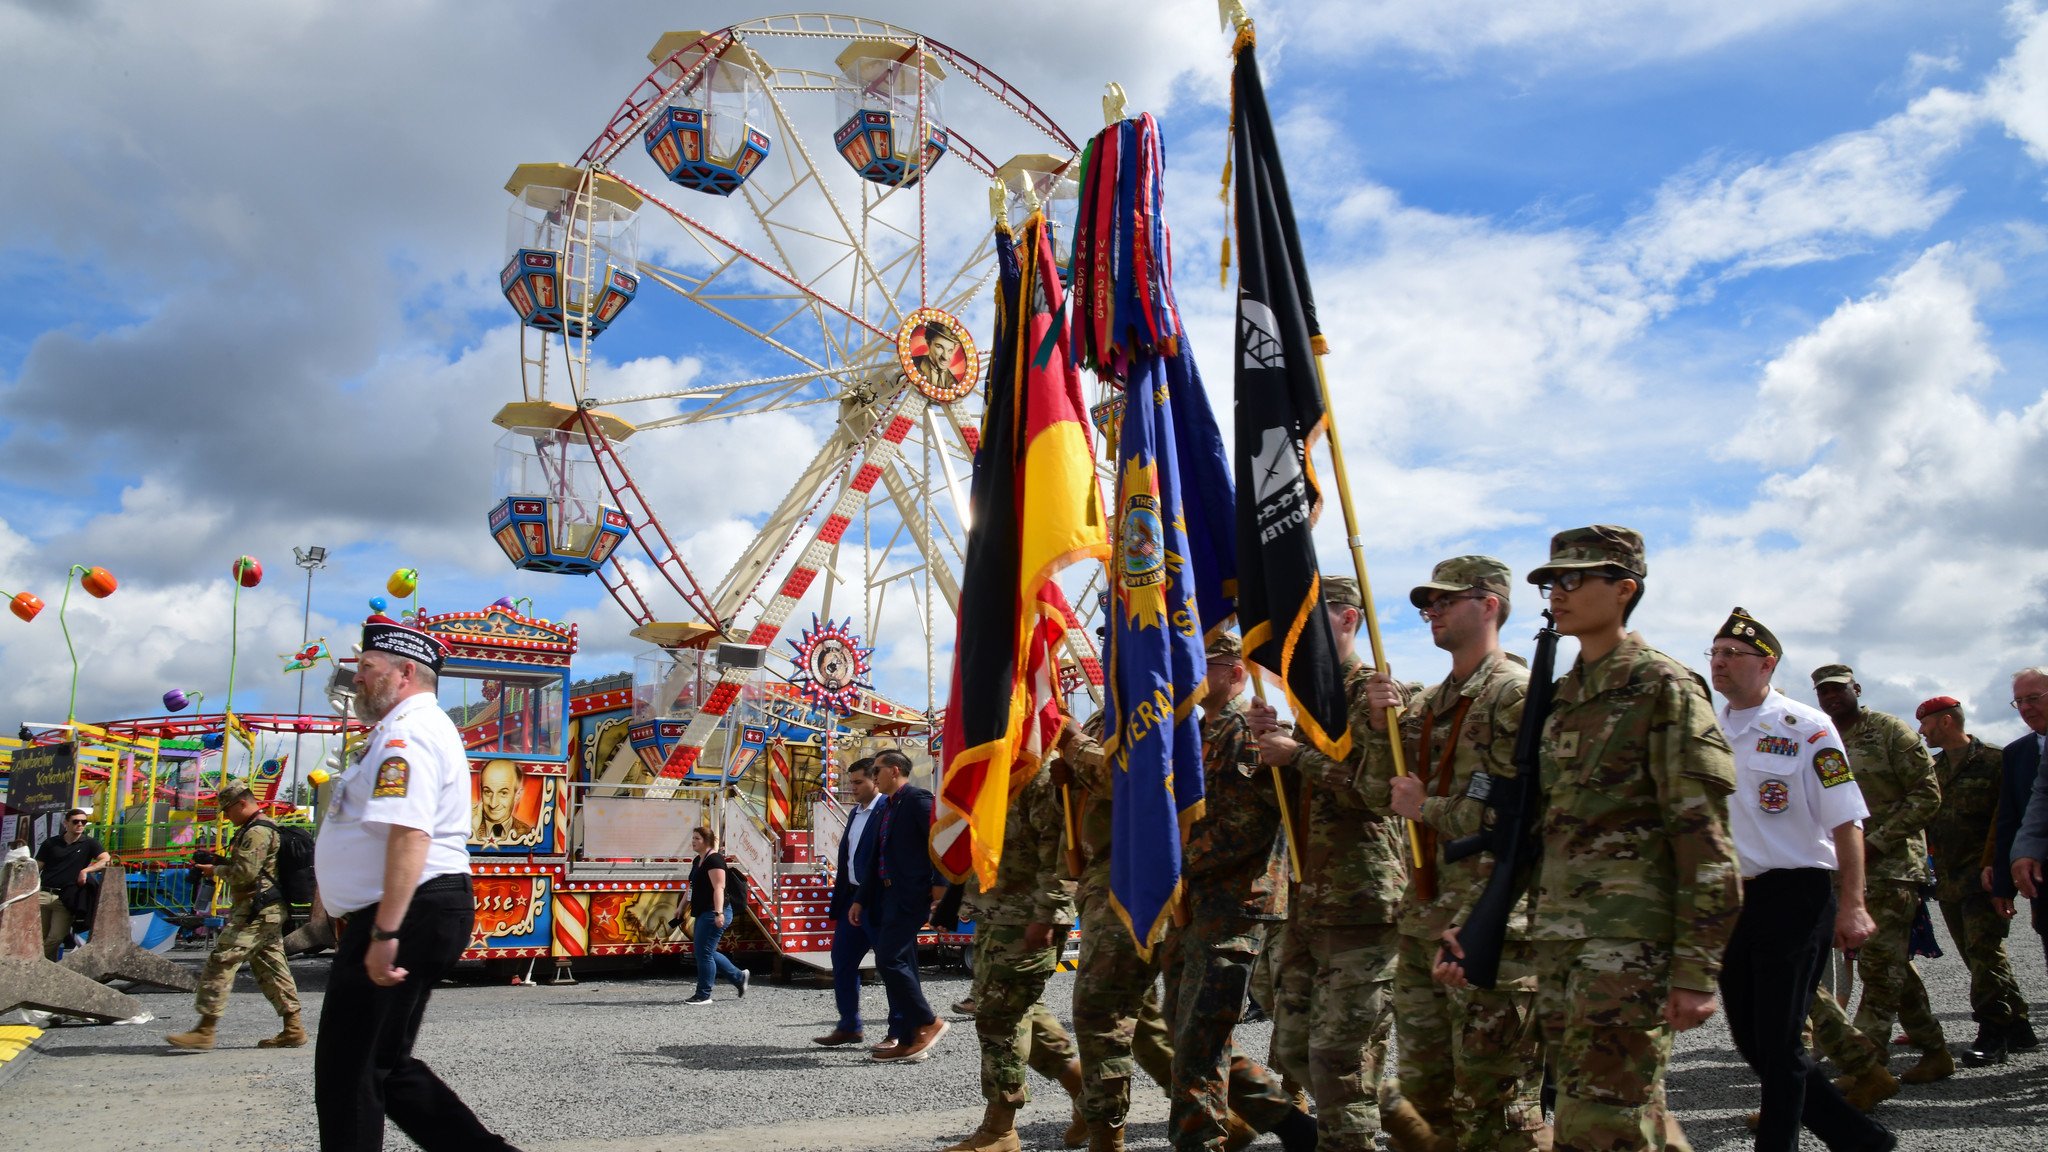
(866,446)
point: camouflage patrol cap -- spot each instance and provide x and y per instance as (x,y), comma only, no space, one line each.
(1226,646)
(1751,631)
(1833,674)
(1341,592)
(1462,574)
(1594,546)
(233,792)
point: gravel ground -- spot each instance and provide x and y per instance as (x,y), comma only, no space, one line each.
(618,1064)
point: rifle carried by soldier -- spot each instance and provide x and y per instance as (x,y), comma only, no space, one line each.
(1518,808)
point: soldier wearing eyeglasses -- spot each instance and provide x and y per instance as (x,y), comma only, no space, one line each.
(1469,1059)
(1636,892)
(1896,773)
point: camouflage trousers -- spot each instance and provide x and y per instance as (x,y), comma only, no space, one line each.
(1470,1059)
(258,939)
(1891,988)
(1207,966)
(1117,1023)
(1015,1029)
(1979,932)
(1332,1013)
(1601,1003)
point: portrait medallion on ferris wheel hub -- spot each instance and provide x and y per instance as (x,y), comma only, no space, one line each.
(832,667)
(937,355)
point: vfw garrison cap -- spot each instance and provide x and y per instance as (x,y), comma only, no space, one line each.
(383,634)
(1751,631)
(1462,574)
(1595,546)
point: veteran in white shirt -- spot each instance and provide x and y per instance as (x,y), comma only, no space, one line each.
(1795,817)
(393,864)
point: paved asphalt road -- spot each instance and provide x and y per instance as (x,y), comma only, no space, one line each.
(619,1064)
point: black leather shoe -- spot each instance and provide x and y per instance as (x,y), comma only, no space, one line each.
(1989,1046)
(2019,1036)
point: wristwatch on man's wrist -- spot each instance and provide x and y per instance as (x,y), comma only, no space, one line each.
(378,934)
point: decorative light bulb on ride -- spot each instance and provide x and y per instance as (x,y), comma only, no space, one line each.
(99,582)
(573,264)
(378,604)
(177,699)
(403,582)
(890,130)
(248,571)
(712,134)
(317,777)
(25,605)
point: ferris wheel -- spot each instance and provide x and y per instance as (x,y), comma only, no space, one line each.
(820,190)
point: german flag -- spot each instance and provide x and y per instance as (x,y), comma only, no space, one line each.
(1036,509)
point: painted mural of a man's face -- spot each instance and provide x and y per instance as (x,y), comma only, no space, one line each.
(498,791)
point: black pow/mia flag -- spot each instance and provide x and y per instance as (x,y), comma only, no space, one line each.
(1280,416)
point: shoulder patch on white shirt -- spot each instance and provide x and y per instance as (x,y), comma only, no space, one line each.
(392,777)
(1832,767)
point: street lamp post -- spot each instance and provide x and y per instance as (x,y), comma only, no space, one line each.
(309,559)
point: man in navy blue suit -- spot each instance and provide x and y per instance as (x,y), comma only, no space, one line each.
(2016,866)
(859,849)
(896,900)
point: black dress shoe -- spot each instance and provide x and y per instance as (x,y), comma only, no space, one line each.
(2019,1036)
(1989,1046)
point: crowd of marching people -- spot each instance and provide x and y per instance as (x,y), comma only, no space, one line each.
(1684,858)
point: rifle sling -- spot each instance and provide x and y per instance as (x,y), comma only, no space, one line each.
(1439,785)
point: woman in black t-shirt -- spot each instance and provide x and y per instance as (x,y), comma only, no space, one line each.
(708,906)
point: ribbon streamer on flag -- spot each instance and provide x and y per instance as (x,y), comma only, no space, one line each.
(1035,509)
(1173,572)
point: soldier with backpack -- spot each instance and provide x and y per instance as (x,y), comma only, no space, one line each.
(255,872)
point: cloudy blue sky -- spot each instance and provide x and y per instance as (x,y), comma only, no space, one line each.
(1763,280)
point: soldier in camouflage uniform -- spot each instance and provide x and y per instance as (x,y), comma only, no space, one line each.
(1117,1021)
(1234,867)
(1968,771)
(1470,1059)
(1019,926)
(1637,890)
(252,933)
(1896,773)
(1333,1014)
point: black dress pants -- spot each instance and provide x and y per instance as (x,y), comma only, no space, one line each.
(363,1066)
(895,940)
(1768,977)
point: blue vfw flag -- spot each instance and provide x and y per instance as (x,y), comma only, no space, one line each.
(1173,560)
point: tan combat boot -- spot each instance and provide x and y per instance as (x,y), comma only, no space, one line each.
(199,1039)
(1237,1133)
(998,1132)
(1867,1090)
(1934,1065)
(1076,1135)
(292,1036)
(1104,1138)
(1408,1131)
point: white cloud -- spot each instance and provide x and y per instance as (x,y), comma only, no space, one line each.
(1816,204)
(1902,531)
(2018,91)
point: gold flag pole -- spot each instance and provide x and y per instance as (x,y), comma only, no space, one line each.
(1279,789)
(1372,619)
